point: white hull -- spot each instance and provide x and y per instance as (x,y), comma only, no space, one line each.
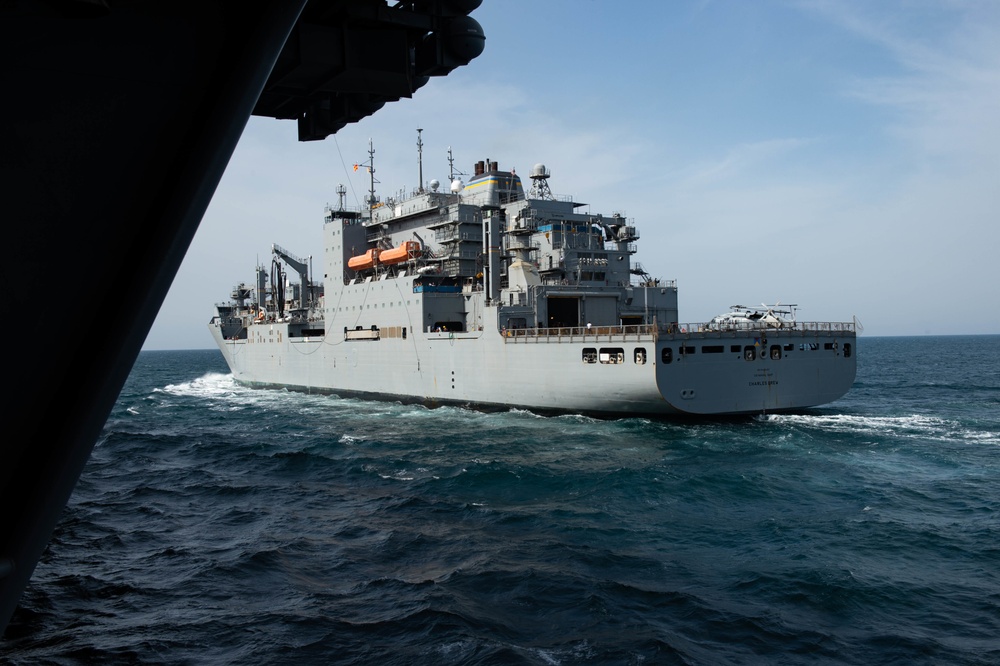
(547,372)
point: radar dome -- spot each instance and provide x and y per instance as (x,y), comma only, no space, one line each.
(539,171)
(457,186)
(435,184)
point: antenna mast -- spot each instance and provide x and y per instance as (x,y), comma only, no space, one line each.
(451,167)
(372,200)
(420,160)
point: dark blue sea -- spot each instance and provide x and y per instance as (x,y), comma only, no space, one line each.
(221,525)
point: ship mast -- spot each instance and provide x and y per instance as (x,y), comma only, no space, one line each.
(372,199)
(420,161)
(452,174)
(342,194)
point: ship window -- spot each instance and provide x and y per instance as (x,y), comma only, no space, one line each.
(828,345)
(589,355)
(775,352)
(789,347)
(735,349)
(749,353)
(640,356)
(613,355)
(667,355)
(847,350)
(404,332)
(712,349)
(687,350)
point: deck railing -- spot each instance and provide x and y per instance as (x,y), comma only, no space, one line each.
(673,331)
(803,327)
(580,333)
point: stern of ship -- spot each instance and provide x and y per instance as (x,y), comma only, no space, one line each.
(709,372)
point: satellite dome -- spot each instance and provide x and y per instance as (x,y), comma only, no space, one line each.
(457,186)
(435,184)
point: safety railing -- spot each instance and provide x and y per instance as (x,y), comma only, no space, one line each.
(580,333)
(682,331)
(803,327)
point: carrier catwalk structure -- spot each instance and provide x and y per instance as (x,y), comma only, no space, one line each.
(484,295)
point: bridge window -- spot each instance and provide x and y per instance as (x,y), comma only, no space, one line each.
(640,356)
(589,355)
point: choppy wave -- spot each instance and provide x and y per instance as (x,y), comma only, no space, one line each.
(220,524)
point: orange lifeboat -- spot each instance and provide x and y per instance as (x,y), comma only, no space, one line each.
(363,261)
(406,250)
(396,255)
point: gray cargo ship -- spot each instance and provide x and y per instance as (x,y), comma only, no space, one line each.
(483,295)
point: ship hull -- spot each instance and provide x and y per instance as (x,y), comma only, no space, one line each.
(607,375)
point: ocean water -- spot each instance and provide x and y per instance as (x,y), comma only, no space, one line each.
(221,525)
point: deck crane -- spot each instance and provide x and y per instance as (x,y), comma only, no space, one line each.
(300,266)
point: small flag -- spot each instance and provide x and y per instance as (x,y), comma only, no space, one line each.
(355,167)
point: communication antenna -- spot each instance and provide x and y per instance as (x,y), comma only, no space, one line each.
(342,193)
(420,160)
(454,176)
(372,199)
(452,173)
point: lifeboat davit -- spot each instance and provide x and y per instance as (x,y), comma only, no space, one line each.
(396,255)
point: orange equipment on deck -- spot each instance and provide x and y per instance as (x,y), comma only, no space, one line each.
(406,250)
(363,261)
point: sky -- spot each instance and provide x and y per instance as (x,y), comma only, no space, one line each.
(843,156)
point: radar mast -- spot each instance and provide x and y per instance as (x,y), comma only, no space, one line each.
(540,183)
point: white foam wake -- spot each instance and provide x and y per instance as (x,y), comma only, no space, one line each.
(910,425)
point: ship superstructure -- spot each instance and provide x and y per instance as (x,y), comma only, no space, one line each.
(483,294)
